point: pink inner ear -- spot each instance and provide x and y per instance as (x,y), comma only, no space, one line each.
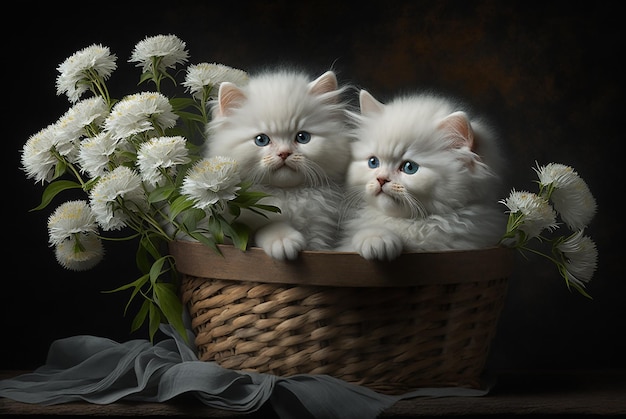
(325,83)
(368,103)
(457,124)
(229,97)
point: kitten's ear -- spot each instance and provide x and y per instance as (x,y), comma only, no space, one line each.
(325,83)
(369,105)
(229,97)
(457,124)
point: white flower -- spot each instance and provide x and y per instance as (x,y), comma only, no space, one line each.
(128,156)
(70,218)
(161,153)
(556,174)
(137,112)
(209,76)
(38,158)
(93,61)
(211,180)
(536,213)
(81,252)
(81,120)
(575,204)
(574,254)
(569,193)
(581,257)
(115,192)
(168,48)
(96,154)
(78,120)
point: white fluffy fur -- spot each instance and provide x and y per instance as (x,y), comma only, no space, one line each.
(303,179)
(450,202)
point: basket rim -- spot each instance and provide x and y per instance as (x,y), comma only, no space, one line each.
(346,269)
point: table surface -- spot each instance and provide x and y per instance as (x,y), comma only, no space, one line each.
(529,393)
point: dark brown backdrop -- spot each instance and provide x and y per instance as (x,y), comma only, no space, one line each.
(548,74)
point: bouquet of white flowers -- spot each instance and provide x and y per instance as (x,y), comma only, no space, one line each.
(136,160)
(533,220)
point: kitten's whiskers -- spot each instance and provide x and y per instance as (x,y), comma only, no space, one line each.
(353,199)
(414,205)
(313,173)
(256,174)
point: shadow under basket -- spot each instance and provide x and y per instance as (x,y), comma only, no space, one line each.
(426,319)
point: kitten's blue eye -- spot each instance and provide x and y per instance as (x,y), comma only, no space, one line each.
(409,167)
(262,140)
(373,162)
(303,137)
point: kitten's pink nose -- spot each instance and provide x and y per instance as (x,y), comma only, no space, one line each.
(284,154)
(382,180)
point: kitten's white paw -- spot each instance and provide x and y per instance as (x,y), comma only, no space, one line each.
(280,241)
(377,244)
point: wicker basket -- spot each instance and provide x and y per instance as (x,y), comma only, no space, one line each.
(423,320)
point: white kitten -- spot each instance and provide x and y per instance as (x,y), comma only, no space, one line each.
(423,177)
(290,136)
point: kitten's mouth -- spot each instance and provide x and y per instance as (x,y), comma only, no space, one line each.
(284,167)
(285,176)
(385,197)
(380,191)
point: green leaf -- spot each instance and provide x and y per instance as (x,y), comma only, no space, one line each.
(171,306)
(190,116)
(142,259)
(161,193)
(154,321)
(141,315)
(53,189)
(234,210)
(581,290)
(248,198)
(191,217)
(91,183)
(170,77)
(196,154)
(152,244)
(147,252)
(239,234)
(215,227)
(157,269)
(227,228)
(60,169)
(128,156)
(179,103)
(263,214)
(269,208)
(138,283)
(145,76)
(209,242)
(179,205)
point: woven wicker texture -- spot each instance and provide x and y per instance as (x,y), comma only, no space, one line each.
(390,339)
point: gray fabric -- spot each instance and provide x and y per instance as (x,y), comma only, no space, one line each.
(102,371)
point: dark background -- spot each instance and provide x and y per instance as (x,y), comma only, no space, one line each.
(548,74)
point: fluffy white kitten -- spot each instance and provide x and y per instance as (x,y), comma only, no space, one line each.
(423,177)
(290,137)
